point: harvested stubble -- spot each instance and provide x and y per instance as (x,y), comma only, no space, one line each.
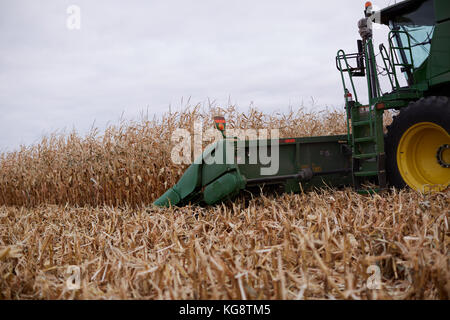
(307,246)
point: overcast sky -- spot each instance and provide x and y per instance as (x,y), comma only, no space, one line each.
(130,56)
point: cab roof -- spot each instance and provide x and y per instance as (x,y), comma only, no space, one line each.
(400,9)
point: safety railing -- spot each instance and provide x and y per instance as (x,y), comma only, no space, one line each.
(341,58)
(405,50)
(388,67)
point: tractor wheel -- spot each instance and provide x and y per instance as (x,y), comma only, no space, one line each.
(418,146)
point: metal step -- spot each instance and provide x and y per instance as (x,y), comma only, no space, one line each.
(365,139)
(362,123)
(365,155)
(366,173)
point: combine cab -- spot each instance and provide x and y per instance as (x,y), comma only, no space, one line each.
(414,152)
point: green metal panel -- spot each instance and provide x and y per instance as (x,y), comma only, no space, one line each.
(321,154)
(442,10)
(184,189)
(211,172)
(226,185)
(421,74)
(189,181)
(170,197)
(441,79)
(440,51)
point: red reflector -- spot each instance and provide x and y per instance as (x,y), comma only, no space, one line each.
(220,121)
(380,106)
(288,140)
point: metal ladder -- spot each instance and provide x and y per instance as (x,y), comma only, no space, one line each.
(368,160)
(364,132)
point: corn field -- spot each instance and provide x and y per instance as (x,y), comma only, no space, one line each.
(85,201)
(130,164)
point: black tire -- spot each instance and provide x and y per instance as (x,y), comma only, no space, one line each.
(430,109)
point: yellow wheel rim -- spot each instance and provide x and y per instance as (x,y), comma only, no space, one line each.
(417,157)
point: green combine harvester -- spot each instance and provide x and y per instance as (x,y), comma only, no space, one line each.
(414,152)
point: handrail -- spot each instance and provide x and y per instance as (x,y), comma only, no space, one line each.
(373,83)
(396,62)
(342,56)
(386,59)
(339,57)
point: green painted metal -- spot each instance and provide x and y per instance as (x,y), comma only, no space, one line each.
(442,10)
(170,197)
(364,122)
(320,154)
(439,60)
(431,77)
(352,159)
(395,61)
(183,189)
(225,186)
(328,159)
